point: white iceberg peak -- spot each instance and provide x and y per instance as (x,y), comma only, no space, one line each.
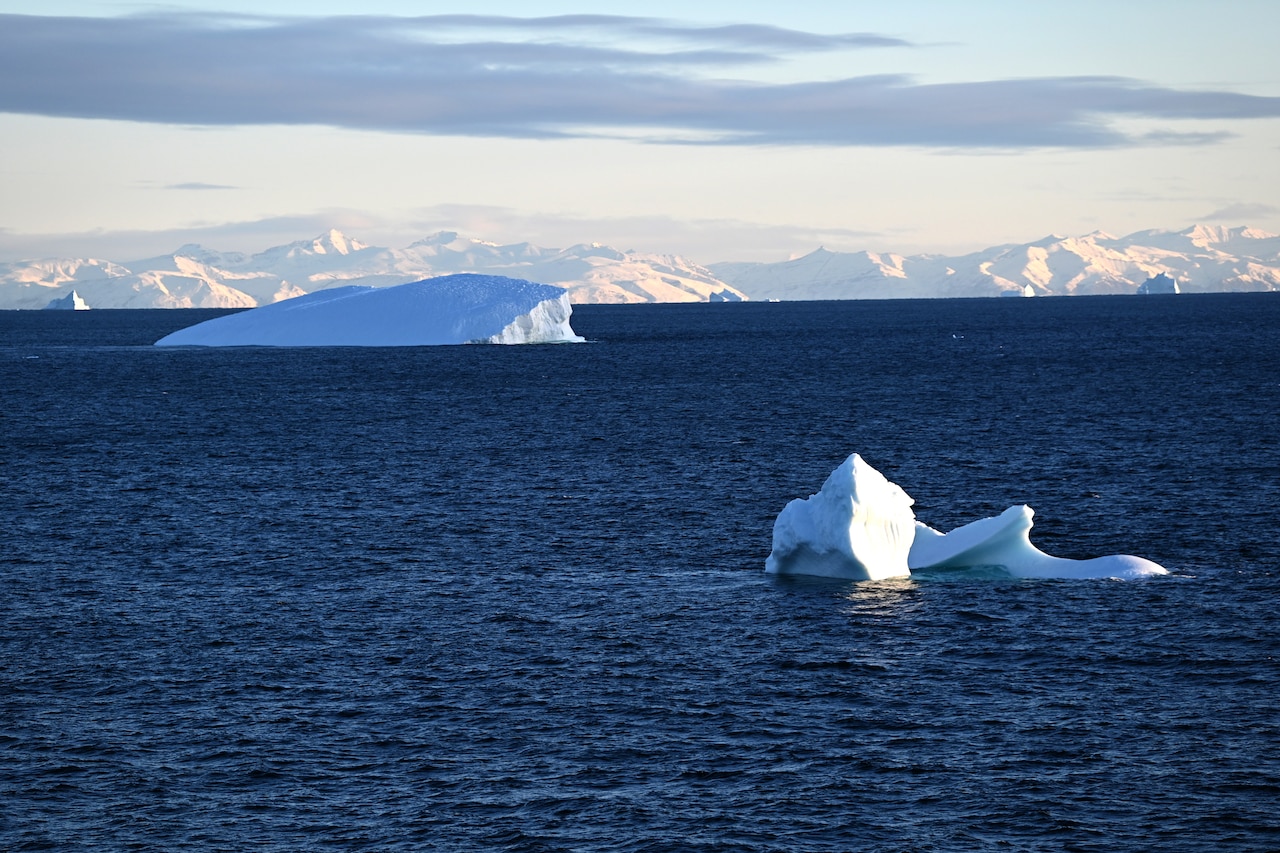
(858,527)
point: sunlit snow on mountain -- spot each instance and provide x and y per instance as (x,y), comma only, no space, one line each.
(196,277)
(1198,259)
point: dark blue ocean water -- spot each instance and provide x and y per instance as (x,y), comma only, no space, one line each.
(512,598)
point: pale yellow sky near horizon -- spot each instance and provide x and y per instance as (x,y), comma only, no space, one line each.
(123,187)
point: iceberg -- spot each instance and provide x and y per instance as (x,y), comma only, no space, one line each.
(453,309)
(860,526)
(1004,542)
(71,302)
(1159,283)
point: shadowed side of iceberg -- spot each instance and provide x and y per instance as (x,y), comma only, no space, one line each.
(455,309)
(1004,542)
(71,302)
(858,527)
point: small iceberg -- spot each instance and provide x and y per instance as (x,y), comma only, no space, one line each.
(860,526)
(453,309)
(71,302)
(1159,283)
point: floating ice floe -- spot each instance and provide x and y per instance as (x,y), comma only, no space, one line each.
(860,526)
(454,309)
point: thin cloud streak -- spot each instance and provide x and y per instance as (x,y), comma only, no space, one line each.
(741,36)
(1241,212)
(701,240)
(413,75)
(126,245)
(197,185)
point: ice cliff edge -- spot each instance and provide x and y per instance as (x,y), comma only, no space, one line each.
(453,309)
(860,526)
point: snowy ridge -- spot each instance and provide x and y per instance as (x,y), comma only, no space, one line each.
(196,277)
(1201,259)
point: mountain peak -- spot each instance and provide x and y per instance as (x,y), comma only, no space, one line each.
(450,241)
(334,241)
(195,252)
(1204,235)
(189,253)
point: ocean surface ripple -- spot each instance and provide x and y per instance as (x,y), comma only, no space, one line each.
(512,598)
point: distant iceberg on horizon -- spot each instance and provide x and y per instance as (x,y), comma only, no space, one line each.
(1160,283)
(860,526)
(71,302)
(454,309)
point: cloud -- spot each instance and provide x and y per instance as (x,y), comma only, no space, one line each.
(739,36)
(1242,212)
(559,77)
(126,245)
(703,241)
(196,185)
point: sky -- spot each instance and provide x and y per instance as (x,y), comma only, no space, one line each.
(715,130)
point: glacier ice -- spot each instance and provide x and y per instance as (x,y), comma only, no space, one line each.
(453,309)
(860,526)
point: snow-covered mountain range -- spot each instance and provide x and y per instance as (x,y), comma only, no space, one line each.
(1200,259)
(196,277)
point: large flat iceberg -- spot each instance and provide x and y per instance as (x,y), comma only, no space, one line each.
(453,309)
(860,526)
